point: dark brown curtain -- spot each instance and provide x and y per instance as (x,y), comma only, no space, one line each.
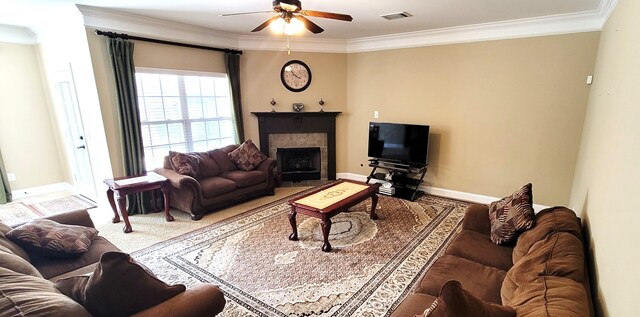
(5,189)
(232,64)
(121,53)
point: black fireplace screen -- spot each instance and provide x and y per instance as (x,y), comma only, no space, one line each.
(298,164)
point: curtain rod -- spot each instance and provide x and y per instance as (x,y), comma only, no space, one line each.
(138,38)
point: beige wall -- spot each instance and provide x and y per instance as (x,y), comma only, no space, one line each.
(27,135)
(502,113)
(261,82)
(607,171)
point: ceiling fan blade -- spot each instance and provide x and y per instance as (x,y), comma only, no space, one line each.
(243,13)
(265,24)
(327,15)
(314,28)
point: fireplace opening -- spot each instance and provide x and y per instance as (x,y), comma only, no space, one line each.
(298,164)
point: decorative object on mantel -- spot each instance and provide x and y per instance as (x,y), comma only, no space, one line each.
(273,105)
(298,107)
(321,103)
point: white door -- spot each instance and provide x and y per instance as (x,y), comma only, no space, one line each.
(74,133)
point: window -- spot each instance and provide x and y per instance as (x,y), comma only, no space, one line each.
(183,111)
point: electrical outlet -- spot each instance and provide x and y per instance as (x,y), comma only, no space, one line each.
(375,114)
(11,177)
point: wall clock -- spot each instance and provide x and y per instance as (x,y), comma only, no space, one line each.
(295,75)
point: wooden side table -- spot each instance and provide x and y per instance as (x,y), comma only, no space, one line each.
(123,186)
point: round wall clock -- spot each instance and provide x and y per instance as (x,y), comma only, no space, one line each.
(295,75)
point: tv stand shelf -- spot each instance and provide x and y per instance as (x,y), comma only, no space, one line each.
(403,177)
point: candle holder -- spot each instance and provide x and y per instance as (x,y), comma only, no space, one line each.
(321,103)
(273,105)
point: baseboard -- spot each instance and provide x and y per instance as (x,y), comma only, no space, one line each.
(443,192)
(41,190)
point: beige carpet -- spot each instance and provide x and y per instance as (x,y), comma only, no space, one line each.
(372,266)
(152,228)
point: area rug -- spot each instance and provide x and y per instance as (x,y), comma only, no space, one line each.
(372,267)
(17,213)
(62,205)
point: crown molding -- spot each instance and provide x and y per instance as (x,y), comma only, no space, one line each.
(17,35)
(114,20)
(161,29)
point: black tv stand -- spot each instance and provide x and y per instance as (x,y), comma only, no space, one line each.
(402,177)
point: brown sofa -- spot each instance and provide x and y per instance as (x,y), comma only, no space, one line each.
(543,274)
(26,280)
(219,182)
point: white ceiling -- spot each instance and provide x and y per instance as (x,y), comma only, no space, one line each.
(428,15)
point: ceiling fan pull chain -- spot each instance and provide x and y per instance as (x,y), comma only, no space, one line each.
(288,47)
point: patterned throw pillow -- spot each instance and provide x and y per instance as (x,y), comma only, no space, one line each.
(184,163)
(511,215)
(54,239)
(247,156)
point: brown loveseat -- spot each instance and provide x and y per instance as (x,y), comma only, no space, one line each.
(219,182)
(543,274)
(26,280)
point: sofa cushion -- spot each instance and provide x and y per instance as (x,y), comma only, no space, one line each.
(547,221)
(480,280)
(11,261)
(185,163)
(550,296)
(51,267)
(245,179)
(216,186)
(119,286)
(26,295)
(10,245)
(511,214)
(247,156)
(454,301)
(559,254)
(207,166)
(51,238)
(221,156)
(477,247)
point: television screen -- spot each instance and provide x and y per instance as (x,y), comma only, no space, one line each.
(395,142)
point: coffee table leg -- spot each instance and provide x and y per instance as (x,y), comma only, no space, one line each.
(374,204)
(122,203)
(294,226)
(165,193)
(326,227)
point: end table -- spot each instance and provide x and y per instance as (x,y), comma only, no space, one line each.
(123,186)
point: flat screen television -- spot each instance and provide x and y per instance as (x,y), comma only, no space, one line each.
(399,143)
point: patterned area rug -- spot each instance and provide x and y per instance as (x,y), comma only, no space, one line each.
(372,267)
(17,213)
(62,205)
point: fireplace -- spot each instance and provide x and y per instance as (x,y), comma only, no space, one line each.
(300,129)
(297,164)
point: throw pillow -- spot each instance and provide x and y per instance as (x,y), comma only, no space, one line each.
(247,156)
(50,238)
(454,301)
(511,215)
(184,163)
(119,286)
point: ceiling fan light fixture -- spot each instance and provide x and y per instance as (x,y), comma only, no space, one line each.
(294,26)
(277,26)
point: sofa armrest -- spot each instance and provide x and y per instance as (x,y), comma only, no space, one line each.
(476,218)
(78,218)
(176,179)
(200,300)
(267,165)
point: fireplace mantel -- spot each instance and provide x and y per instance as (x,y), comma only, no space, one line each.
(300,122)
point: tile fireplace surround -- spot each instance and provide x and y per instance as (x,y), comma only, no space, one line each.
(300,129)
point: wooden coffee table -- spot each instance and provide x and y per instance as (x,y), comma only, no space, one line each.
(326,202)
(123,186)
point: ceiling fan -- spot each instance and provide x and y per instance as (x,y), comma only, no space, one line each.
(290,17)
